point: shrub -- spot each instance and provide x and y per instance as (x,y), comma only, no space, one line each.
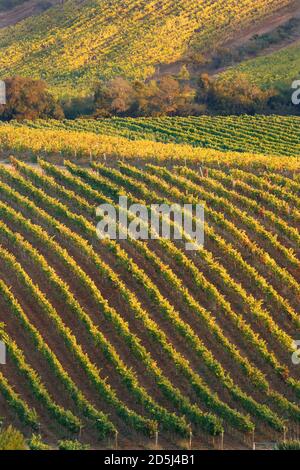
(236,97)
(12,439)
(36,443)
(288,445)
(72,445)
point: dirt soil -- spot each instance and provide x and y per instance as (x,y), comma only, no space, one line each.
(27,9)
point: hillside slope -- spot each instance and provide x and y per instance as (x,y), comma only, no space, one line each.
(139,336)
(270,135)
(6,5)
(278,69)
(74,44)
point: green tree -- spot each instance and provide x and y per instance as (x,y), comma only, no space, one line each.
(238,96)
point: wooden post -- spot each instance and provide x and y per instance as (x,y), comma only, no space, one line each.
(116,440)
(156,439)
(222,440)
(284,433)
(190,442)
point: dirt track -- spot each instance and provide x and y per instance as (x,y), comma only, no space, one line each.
(268,24)
(29,8)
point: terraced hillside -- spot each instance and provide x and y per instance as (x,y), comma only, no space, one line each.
(278,69)
(52,141)
(275,135)
(75,43)
(120,340)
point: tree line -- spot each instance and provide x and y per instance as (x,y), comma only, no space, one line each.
(167,96)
